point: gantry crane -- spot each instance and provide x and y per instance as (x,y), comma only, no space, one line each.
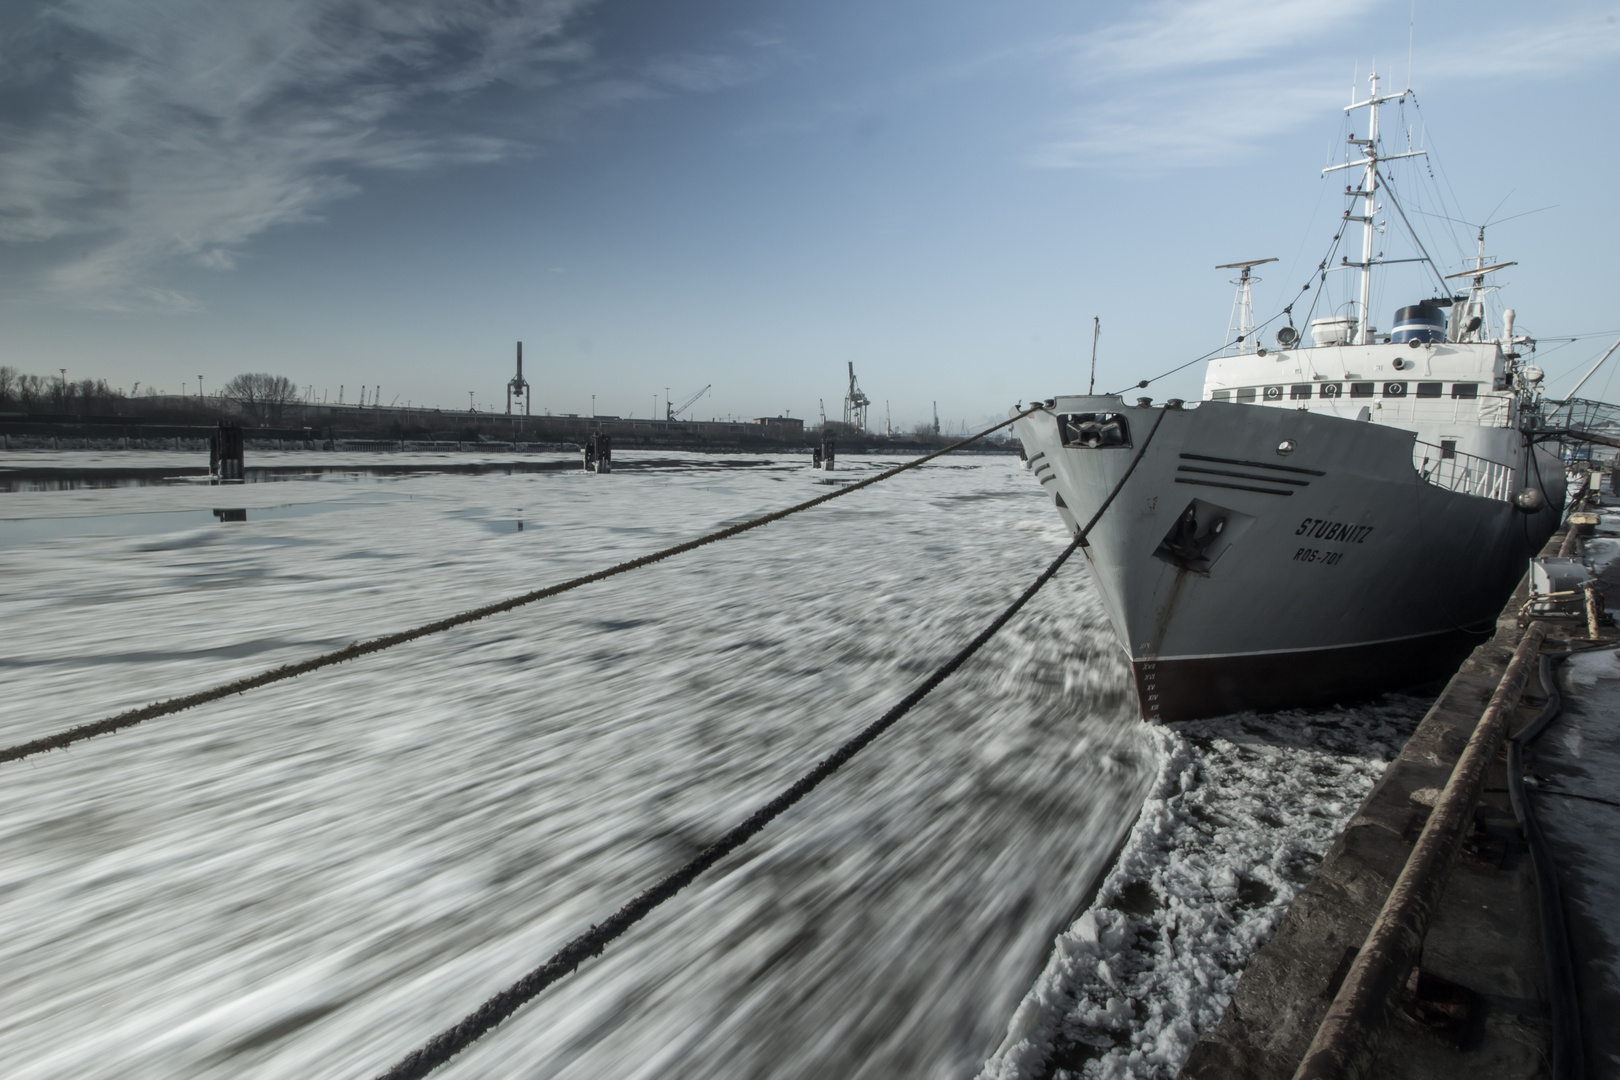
(855,403)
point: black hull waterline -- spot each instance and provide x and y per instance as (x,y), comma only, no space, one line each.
(1173,688)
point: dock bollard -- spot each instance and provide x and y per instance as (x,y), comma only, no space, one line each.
(225,456)
(825,453)
(599,453)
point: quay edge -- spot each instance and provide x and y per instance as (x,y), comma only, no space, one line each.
(1483,947)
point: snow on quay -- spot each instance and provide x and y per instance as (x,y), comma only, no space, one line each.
(310,879)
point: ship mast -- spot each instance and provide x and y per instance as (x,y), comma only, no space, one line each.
(1368,193)
(1242,307)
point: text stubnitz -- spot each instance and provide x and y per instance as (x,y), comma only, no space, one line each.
(1333,531)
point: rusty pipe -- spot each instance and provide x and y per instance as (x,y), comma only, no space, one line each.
(1346,1044)
(1571,534)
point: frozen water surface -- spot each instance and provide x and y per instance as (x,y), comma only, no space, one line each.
(311,879)
(1240,814)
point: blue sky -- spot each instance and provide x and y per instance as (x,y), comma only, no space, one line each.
(393,192)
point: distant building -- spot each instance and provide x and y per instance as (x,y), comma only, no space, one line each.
(782,426)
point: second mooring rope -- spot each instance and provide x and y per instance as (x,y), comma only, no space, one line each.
(451,1041)
(454,1039)
(173,705)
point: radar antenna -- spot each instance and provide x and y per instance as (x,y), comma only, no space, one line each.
(1240,329)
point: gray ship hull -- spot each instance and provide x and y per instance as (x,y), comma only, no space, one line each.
(1240,577)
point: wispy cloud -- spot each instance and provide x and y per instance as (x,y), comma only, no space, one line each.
(178,130)
(1175,125)
(1191,82)
(1173,35)
(1572,43)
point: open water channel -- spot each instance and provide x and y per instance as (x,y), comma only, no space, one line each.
(311,879)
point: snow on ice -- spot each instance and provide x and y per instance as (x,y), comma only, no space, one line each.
(311,879)
(1242,810)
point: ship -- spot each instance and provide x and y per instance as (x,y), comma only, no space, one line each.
(1335,517)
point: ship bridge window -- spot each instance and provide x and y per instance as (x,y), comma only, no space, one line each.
(1094,430)
(1448,448)
(1332,389)
(1394,389)
(1273,393)
(1302,392)
(1361,389)
(1429,389)
(1246,394)
(1221,395)
(1468,390)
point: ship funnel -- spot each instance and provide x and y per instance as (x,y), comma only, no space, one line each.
(1420,322)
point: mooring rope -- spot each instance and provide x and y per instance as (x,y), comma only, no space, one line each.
(361,648)
(454,1039)
(451,1041)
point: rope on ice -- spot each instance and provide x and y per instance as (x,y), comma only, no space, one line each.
(454,1039)
(451,1041)
(361,648)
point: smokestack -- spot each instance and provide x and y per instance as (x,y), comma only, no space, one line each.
(520,361)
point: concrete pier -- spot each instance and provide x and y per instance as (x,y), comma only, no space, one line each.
(1478,1006)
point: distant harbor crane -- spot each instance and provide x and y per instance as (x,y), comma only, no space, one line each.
(673,411)
(855,403)
(518,386)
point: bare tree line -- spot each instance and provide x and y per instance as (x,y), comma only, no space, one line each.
(259,397)
(43,393)
(262,397)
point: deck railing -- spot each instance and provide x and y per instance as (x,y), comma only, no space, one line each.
(1466,473)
